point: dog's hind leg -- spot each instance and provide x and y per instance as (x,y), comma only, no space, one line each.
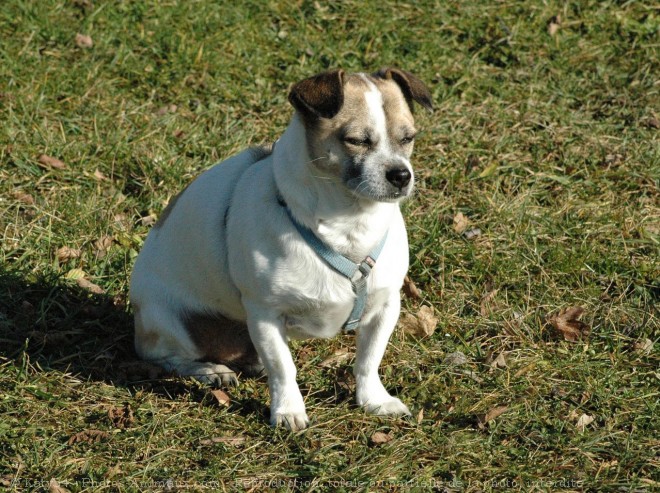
(162,338)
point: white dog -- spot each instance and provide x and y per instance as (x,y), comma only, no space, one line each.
(278,243)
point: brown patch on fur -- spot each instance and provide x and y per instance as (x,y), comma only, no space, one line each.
(353,116)
(221,340)
(412,88)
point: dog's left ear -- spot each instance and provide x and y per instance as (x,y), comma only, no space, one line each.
(413,89)
(319,96)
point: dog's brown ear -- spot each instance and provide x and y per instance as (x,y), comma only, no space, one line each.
(319,96)
(413,89)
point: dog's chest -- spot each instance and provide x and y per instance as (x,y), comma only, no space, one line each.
(325,314)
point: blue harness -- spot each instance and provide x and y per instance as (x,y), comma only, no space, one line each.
(342,265)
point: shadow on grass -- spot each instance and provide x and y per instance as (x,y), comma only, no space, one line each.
(66,329)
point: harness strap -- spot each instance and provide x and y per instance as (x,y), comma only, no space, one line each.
(342,265)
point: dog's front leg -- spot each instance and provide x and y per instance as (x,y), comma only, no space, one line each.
(372,340)
(269,338)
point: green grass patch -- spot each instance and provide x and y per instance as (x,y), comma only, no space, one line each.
(545,136)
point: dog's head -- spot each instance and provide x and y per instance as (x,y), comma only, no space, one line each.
(360,129)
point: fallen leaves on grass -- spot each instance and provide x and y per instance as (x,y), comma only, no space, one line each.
(88,285)
(422,324)
(472,233)
(220,397)
(488,304)
(380,438)
(498,362)
(554,24)
(457,358)
(149,220)
(337,358)
(489,170)
(484,419)
(84,41)
(121,417)
(164,110)
(567,323)
(584,421)
(23,197)
(88,436)
(233,441)
(51,162)
(79,276)
(100,176)
(461,222)
(102,245)
(643,347)
(65,253)
(410,290)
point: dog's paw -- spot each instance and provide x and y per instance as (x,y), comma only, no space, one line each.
(215,375)
(389,407)
(294,421)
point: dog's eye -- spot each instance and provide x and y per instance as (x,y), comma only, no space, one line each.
(357,142)
(406,140)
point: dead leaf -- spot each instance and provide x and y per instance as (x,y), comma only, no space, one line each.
(568,324)
(484,419)
(168,108)
(420,416)
(100,176)
(88,285)
(487,303)
(65,253)
(584,421)
(88,436)
(379,438)
(84,41)
(336,359)
(554,24)
(178,134)
(233,441)
(75,274)
(472,233)
(102,245)
(149,220)
(51,162)
(499,362)
(643,347)
(421,325)
(489,170)
(461,222)
(54,487)
(221,397)
(410,290)
(121,417)
(24,197)
(652,122)
(457,358)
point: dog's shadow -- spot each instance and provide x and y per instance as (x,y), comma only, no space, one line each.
(64,328)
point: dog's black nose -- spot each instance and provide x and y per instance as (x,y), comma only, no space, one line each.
(399,177)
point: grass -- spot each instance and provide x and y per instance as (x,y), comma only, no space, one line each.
(546,141)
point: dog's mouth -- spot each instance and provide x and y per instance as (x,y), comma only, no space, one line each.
(379,191)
